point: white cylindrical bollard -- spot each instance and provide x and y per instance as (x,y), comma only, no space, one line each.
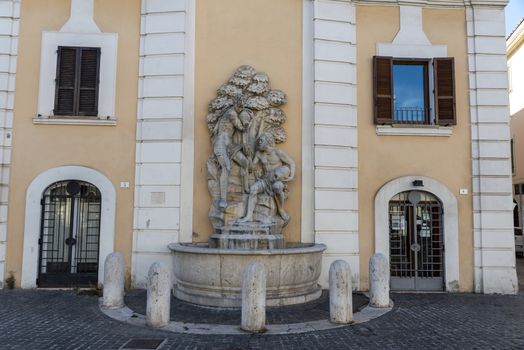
(340,293)
(379,281)
(158,306)
(114,280)
(254,298)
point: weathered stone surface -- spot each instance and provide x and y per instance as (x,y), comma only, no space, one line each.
(247,174)
(114,281)
(379,281)
(213,277)
(254,298)
(158,295)
(340,293)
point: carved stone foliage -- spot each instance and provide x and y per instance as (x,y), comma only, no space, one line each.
(246,172)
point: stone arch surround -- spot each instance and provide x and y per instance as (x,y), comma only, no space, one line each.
(33,212)
(449,203)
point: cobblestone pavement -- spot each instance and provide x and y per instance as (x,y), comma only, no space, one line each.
(189,313)
(63,320)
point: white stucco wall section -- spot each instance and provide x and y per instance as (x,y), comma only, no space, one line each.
(164,149)
(494,256)
(450,220)
(9,26)
(79,30)
(335,134)
(33,216)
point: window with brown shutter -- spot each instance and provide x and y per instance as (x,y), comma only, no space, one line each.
(77,81)
(443,70)
(401,91)
(383,89)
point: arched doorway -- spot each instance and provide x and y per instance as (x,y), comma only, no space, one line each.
(416,242)
(69,235)
(449,221)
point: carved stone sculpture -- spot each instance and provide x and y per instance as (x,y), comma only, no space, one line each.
(246,172)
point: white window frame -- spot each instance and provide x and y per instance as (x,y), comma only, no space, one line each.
(107,42)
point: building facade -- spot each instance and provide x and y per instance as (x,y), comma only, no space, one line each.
(397,119)
(516,94)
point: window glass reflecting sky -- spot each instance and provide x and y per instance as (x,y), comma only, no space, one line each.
(408,84)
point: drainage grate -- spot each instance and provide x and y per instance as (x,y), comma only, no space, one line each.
(144,344)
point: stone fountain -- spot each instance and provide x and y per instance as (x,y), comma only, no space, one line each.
(247,176)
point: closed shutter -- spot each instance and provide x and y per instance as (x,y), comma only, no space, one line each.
(383,89)
(445,105)
(88,85)
(77,81)
(65,81)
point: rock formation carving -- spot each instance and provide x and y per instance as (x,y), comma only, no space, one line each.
(247,174)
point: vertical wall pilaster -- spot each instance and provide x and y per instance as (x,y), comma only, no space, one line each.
(494,255)
(10,20)
(335,133)
(165,97)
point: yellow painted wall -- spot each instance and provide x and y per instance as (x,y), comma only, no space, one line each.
(109,150)
(517,134)
(383,158)
(266,34)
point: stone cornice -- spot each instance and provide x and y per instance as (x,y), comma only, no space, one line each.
(437,3)
(515,40)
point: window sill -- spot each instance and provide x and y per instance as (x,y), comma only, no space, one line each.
(74,121)
(418,130)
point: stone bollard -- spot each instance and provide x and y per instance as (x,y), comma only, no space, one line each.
(379,281)
(254,298)
(158,295)
(114,279)
(340,293)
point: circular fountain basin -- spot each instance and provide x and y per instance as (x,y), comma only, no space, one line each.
(213,277)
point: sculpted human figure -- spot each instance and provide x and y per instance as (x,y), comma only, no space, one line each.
(277,168)
(233,119)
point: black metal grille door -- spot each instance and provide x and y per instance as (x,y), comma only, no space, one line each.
(70,235)
(416,242)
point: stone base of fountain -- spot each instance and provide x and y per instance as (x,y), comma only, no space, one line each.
(252,236)
(213,277)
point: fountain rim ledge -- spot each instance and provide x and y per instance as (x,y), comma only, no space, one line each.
(203,248)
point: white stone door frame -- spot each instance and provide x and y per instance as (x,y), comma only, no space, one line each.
(450,221)
(33,216)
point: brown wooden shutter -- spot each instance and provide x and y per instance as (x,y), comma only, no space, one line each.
(77,81)
(445,105)
(383,89)
(89,81)
(65,81)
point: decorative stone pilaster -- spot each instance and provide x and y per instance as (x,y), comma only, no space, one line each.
(10,17)
(335,132)
(494,256)
(164,146)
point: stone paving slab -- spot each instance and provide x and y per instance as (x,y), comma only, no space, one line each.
(185,312)
(63,320)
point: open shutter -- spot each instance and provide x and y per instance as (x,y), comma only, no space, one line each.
(89,81)
(65,81)
(383,89)
(445,105)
